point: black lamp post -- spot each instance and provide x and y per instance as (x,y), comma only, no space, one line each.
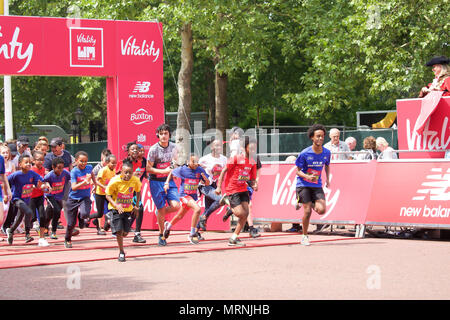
(74,126)
(78,115)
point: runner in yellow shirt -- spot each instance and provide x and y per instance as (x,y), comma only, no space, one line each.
(119,194)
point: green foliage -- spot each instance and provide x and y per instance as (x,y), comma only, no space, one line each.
(313,60)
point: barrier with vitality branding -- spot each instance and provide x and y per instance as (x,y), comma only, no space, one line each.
(401,193)
(128,53)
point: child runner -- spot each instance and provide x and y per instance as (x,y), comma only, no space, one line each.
(103,177)
(119,194)
(213,164)
(22,183)
(105,152)
(190,175)
(57,179)
(5,170)
(310,163)
(37,200)
(139,170)
(159,165)
(240,169)
(79,196)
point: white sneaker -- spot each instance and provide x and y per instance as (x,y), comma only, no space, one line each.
(42,243)
(305,241)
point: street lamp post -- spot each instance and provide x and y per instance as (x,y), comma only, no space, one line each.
(78,115)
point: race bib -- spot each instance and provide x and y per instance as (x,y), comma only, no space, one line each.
(162,165)
(315,173)
(27,190)
(191,186)
(126,200)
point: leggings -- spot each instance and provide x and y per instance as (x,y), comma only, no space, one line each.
(53,212)
(37,207)
(84,205)
(23,211)
(100,201)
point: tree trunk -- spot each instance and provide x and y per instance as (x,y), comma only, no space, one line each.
(211,99)
(184,94)
(221,103)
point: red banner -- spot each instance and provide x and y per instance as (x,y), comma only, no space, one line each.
(411,194)
(347,197)
(435,131)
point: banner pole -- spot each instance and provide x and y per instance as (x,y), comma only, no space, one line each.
(7,89)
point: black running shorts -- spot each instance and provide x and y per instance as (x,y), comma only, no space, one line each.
(120,222)
(308,194)
(237,198)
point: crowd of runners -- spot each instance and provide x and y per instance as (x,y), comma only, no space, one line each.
(38,185)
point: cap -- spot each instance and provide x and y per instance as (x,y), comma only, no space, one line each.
(13,149)
(23,140)
(56,142)
(438,60)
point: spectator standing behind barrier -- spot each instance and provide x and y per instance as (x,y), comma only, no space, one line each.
(22,149)
(370,149)
(441,81)
(335,145)
(351,143)
(386,151)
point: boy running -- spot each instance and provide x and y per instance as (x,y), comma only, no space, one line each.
(310,163)
(240,169)
(79,196)
(22,183)
(119,193)
(159,165)
(190,175)
(57,178)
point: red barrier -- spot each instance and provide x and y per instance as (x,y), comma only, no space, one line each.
(379,193)
(347,197)
(411,194)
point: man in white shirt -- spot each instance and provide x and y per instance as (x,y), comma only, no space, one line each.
(335,145)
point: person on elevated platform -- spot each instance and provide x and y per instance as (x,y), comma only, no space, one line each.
(441,81)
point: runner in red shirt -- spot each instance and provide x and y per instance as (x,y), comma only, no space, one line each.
(240,169)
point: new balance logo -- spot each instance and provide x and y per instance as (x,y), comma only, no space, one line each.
(436,187)
(142,87)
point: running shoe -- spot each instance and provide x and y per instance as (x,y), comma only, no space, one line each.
(193,239)
(138,239)
(161,241)
(53,236)
(60,226)
(43,243)
(236,243)
(305,241)
(28,238)
(67,244)
(101,233)
(75,232)
(199,236)
(254,233)
(121,257)
(227,215)
(224,200)
(166,232)
(10,236)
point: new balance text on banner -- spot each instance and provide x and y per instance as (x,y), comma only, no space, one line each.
(435,131)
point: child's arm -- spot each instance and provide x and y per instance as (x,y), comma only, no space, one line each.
(205,180)
(166,184)
(136,207)
(220,180)
(6,188)
(118,206)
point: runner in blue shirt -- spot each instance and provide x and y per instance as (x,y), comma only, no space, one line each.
(190,175)
(79,195)
(57,178)
(22,184)
(310,163)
